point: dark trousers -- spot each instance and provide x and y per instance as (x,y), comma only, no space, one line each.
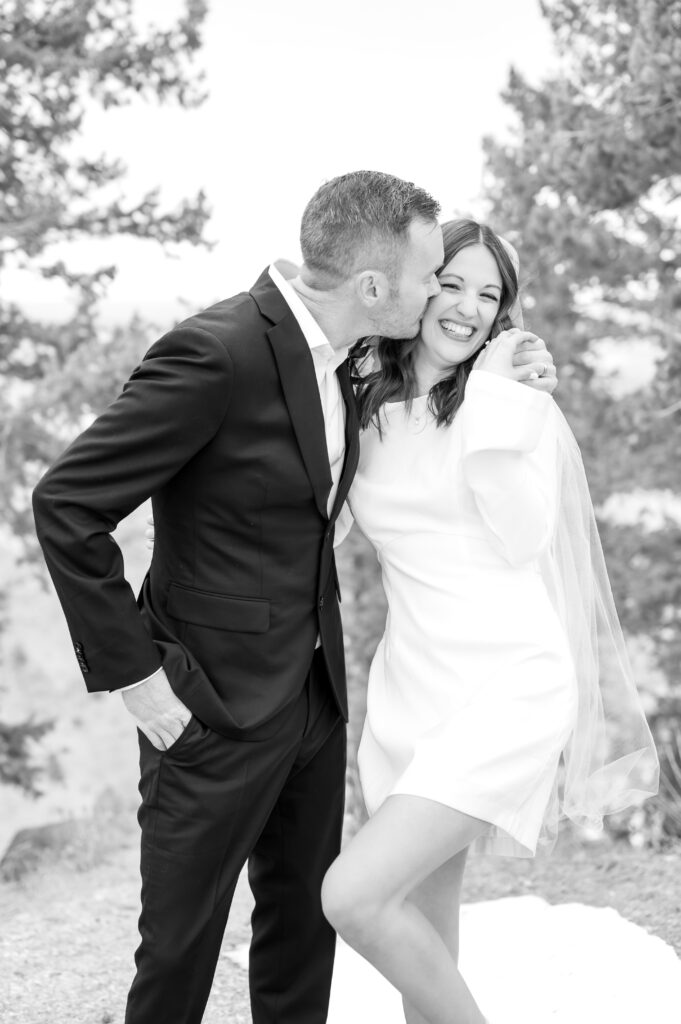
(209,804)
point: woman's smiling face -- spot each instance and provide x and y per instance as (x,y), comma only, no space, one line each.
(459,320)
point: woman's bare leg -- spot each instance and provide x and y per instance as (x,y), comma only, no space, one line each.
(438,898)
(365,898)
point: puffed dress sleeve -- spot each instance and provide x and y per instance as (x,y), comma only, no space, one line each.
(509,447)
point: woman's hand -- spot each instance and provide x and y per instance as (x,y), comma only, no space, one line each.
(520,356)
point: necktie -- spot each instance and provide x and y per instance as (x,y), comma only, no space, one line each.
(334,425)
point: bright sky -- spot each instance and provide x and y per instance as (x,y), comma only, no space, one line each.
(302,90)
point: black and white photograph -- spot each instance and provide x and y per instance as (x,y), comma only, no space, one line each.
(340,512)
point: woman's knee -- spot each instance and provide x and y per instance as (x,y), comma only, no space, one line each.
(347,904)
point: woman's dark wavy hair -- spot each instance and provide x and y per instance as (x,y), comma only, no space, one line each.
(395,378)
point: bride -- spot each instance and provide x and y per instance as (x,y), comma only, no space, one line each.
(486,719)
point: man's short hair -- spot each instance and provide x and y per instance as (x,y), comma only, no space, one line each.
(360,221)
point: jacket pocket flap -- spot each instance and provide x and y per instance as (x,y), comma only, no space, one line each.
(218,611)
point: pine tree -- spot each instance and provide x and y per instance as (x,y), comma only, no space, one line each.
(589,188)
(57,59)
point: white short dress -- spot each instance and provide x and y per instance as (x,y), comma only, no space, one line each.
(471,695)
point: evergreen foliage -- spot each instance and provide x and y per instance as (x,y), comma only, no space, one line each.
(588,186)
(58,58)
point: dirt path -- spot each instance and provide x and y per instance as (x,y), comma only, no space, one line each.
(67,937)
(67,941)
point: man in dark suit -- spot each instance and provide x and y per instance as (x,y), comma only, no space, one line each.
(240,425)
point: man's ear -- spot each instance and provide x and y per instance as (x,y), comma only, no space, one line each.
(372,288)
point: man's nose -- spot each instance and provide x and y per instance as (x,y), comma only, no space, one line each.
(435,288)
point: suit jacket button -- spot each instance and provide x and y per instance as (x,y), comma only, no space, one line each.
(321,603)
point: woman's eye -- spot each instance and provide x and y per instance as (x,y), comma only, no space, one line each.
(494,298)
(454,287)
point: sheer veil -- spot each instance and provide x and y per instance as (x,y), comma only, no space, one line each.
(610,762)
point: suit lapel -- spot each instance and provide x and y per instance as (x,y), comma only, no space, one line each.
(301,392)
(299,384)
(351,439)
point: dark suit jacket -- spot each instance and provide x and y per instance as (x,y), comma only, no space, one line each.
(222,425)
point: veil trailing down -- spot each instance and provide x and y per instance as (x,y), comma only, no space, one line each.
(610,762)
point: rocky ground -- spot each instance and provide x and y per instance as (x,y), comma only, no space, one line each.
(67,941)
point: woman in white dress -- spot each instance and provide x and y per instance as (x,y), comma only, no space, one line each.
(473,693)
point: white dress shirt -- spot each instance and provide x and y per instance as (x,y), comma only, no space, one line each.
(326,361)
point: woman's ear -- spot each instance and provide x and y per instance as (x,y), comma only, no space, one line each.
(515,315)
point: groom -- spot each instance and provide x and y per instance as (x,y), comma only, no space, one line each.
(240,425)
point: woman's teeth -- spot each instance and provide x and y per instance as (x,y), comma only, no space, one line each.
(456,330)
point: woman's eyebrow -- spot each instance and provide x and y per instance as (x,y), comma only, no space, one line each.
(459,278)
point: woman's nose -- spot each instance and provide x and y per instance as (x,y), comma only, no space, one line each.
(467,306)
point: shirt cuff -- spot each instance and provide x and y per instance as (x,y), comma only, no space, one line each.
(131,686)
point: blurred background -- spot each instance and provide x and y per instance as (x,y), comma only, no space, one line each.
(154,158)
